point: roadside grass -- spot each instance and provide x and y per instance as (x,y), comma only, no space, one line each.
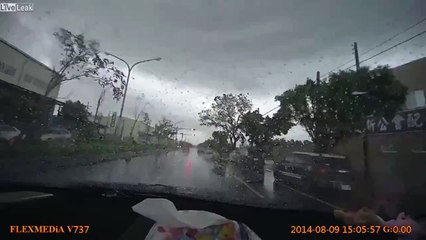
(70,148)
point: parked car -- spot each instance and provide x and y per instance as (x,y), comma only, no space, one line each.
(9,134)
(55,134)
(313,171)
(219,169)
(250,169)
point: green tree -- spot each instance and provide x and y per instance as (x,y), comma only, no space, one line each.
(252,125)
(75,116)
(329,111)
(18,109)
(226,114)
(146,120)
(220,143)
(74,111)
(164,129)
(260,131)
(139,112)
(81,59)
(98,104)
(206,145)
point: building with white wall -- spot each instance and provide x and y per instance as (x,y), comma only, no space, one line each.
(23,71)
(110,122)
(413,76)
(23,84)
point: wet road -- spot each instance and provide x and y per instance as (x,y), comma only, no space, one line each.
(180,169)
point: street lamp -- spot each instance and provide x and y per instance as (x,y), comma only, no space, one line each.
(176,128)
(129,70)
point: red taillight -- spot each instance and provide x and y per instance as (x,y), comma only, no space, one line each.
(322,170)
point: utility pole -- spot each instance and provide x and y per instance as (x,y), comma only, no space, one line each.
(367,174)
(88,108)
(318,109)
(129,71)
(183,134)
(355,48)
(177,129)
(100,100)
(108,122)
(318,78)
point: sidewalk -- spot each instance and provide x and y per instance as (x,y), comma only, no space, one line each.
(10,167)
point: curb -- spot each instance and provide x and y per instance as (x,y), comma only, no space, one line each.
(40,164)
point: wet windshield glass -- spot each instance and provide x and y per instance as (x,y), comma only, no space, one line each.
(289,104)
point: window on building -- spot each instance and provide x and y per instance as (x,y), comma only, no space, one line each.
(415,99)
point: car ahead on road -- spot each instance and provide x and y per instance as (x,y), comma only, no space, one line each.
(313,171)
(186,149)
(55,134)
(9,134)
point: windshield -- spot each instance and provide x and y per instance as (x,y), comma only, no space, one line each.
(215,97)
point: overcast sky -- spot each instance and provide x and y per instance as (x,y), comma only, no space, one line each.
(259,47)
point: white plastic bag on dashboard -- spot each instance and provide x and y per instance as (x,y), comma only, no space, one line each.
(173,224)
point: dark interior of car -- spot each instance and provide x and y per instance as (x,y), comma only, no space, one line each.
(110,216)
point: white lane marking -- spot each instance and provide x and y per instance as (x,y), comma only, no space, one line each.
(313,197)
(248,186)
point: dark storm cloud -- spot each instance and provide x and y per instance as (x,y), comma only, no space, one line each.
(209,47)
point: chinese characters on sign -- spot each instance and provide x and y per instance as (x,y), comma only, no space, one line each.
(402,121)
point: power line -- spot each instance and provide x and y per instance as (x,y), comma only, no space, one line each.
(332,70)
(270,110)
(394,36)
(390,48)
(375,55)
(378,45)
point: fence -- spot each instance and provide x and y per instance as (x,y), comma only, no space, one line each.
(397,164)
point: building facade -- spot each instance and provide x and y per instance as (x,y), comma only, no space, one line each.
(413,76)
(131,129)
(23,84)
(21,70)
(396,147)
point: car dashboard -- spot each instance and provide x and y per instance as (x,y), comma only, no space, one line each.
(107,214)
